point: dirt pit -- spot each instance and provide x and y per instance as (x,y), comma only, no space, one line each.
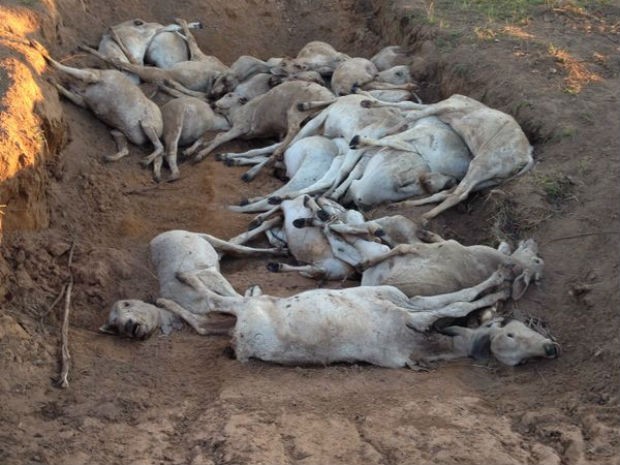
(180,399)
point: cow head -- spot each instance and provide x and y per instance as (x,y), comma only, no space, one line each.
(136,319)
(510,341)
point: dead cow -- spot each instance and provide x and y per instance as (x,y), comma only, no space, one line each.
(272,114)
(193,77)
(378,325)
(429,157)
(173,252)
(446,266)
(363,74)
(499,147)
(137,41)
(186,120)
(116,101)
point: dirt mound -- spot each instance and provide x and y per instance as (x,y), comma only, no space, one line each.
(180,399)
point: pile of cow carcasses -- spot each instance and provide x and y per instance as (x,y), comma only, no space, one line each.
(351,134)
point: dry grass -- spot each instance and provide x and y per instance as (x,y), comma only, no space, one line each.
(578,74)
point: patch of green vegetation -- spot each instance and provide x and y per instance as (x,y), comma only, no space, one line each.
(462,70)
(566,132)
(449,40)
(558,188)
(505,224)
(513,10)
(521,105)
(587,118)
(585,165)
(503,10)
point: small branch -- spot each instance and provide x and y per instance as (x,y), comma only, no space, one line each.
(63,381)
(150,188)
(577,236)
(55,302)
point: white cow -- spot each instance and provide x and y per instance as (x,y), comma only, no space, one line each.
(115,100)
(174,252)
(446,266)
(426,159)
(378,325)
(272,114)
(137,41)
(500,148)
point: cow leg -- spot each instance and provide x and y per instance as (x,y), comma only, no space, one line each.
(356,173)
(240,161)
(176,89)
(377,85)
(437,197)
(83,75)
(250,174)
(420,320)
(226,247)
(121,146)
(312,128)
(294,120)
(200,323)
(356,141)
(218,140)
(329,178)
(350,161)
(194,50)
(400,249)
(171,140)
(216,302)
(259,152)
(464,295)
(368,229)
(75,98)
(152,135)
(309,271)
(461,192)
(252,233)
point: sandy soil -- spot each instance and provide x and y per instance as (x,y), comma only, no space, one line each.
(181,399)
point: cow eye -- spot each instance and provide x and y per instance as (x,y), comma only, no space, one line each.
(126,304)
(138,22)
(510,335)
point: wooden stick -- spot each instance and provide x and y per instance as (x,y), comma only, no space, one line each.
(157,187)
(56,300)
(577,236)
(62,381)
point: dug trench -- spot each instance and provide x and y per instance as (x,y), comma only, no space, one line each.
(180,399)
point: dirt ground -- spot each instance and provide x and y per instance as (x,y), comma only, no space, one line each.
(181,399)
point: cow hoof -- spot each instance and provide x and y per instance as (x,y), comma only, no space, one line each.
(300,223)
(354,142)
(274,267)
(255,223)
(322,215)
(246,177)
(244,202)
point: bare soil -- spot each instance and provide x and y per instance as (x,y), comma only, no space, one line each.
(181,399)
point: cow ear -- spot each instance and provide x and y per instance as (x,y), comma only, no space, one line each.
(520,284)
(481,347)
(108,329)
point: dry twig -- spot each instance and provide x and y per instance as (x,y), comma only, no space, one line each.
(62,380)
